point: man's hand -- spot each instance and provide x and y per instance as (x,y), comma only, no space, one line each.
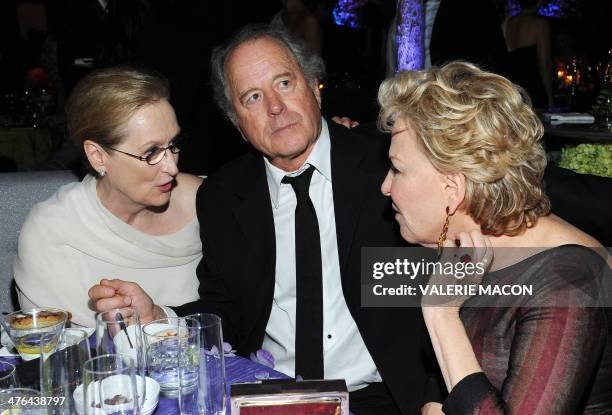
(114,294)
(346,121)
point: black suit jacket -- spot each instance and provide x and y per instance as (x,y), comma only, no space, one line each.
(238,268)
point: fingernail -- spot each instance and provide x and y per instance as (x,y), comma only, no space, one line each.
(127,300)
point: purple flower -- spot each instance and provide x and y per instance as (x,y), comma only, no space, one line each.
(263,357)
(228,351)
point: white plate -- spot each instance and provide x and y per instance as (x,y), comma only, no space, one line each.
(150,403)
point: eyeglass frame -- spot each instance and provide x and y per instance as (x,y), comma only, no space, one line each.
(170,147)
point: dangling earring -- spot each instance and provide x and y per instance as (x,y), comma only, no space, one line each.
(442,237)
(102,173)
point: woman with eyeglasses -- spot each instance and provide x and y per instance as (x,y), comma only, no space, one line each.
(133,217)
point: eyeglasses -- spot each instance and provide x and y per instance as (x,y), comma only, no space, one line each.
(154,155)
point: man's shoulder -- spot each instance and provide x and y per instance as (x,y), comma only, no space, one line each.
(366,139)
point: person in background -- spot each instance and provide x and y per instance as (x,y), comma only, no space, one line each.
(529,61)
(297,17)
(467,146)
(132,217)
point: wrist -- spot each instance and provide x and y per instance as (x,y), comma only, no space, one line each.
(436,314)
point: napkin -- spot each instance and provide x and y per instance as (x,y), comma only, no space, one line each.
(569,118)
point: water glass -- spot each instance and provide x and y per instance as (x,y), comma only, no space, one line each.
(173,353)
(208,398)
(20,401)
(62,371)
(119,332)
(29,329)
(110,386)
(8,376)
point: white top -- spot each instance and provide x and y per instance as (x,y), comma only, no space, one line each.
(344,352)
(70,241)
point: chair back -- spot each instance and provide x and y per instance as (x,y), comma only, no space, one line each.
(18,193)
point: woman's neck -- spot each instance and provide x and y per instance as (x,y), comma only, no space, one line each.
(134,214)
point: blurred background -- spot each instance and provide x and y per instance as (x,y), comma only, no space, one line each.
(46,46)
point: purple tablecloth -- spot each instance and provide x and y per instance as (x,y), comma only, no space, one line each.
(237,370)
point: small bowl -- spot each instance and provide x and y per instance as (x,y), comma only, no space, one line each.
(151,398)
(28,328)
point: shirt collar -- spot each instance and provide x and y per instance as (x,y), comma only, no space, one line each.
(319,158)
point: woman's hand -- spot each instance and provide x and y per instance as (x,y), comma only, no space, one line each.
(462,267)
(113,294)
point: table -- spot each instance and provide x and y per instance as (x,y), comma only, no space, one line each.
(584,133)
(237,370)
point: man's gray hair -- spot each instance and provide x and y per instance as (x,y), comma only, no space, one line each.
(311,64)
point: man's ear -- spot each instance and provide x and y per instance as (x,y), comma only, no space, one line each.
(98,158)
(316,91)
(454,189)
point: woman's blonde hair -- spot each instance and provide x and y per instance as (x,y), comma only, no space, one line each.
(479,124)
(103,101)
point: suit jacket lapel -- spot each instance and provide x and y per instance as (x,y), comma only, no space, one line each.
(348,188)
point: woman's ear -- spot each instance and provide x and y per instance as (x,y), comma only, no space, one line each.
(96,155)
(454,189)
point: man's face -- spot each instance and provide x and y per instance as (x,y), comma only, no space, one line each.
(277,111)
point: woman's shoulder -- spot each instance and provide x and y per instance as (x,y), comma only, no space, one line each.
(554,231)
(185,191)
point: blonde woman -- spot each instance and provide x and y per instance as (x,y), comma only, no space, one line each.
(467,159)
(133,217)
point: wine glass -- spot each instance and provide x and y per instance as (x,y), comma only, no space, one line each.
(20,401)
(119,331)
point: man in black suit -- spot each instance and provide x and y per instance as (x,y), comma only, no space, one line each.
(282,230)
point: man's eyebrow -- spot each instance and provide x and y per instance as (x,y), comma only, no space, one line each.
(283,75)
(245,93)
(276,77)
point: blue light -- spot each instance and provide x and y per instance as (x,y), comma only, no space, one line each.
(549,8)
(345,13)
(410,49)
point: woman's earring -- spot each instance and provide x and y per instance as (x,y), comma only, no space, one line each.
(102,173)
(442,237)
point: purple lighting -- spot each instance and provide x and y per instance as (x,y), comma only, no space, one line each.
(549,8)
(410,49)
(345,13)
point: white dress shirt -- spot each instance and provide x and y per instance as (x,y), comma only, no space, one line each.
(344,352)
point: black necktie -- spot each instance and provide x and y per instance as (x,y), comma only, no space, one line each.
(309,282)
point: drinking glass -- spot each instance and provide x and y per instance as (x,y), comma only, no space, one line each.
(20,401)
(109,386)
(28,329)
(62,371)
(8,377)
(119,331)
(173,353)
(208,397)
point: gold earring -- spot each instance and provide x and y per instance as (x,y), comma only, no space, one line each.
(442,237)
